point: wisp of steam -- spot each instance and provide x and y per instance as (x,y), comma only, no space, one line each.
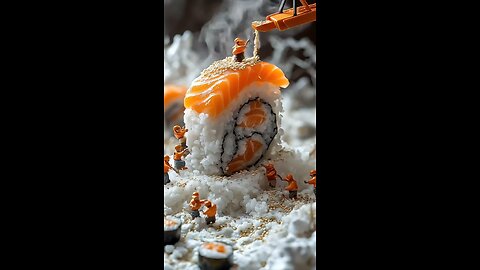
(187,54)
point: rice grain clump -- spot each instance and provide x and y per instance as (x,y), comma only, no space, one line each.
(232,113)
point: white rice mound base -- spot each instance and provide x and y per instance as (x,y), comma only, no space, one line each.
(205,135)
(243,200)
(214,254)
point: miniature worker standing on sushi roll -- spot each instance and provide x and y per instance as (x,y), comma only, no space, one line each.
(177,157)
(195,204)
(271,174)
(292,186)
(210,212)
(239,49)
(313,181)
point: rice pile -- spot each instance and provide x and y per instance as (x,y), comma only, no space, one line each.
(266,230)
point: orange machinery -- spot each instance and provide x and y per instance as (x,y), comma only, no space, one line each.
(290,18)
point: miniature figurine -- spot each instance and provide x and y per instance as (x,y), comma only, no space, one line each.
(271,174)
(239,49)
(177,157)
(166,169)
(313,181)
(292,186)
(210,212)
(179,133)
(195,204)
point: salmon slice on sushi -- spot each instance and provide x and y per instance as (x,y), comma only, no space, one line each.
(173,105)
(232,112)
(215,256)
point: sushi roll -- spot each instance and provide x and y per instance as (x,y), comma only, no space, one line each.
(215,256)
(173,105)
(232,113)
(172,228)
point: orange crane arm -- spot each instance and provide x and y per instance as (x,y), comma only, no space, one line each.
(290,18)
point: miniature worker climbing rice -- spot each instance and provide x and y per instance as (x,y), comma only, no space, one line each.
(292,186)
(313,181)
(166,169)
(177,157)
(179,133)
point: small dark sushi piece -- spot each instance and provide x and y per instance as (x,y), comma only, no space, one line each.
(215,256)
(172,228)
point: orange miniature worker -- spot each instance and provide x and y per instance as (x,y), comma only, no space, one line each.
(271,174)
(313,181)
(179,133)
(239,49)
(166,169)
(195,204)
(177,157)
(292,186)
(210,212)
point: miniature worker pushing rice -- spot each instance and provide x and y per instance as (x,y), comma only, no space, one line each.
(166,169)
(196,204)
